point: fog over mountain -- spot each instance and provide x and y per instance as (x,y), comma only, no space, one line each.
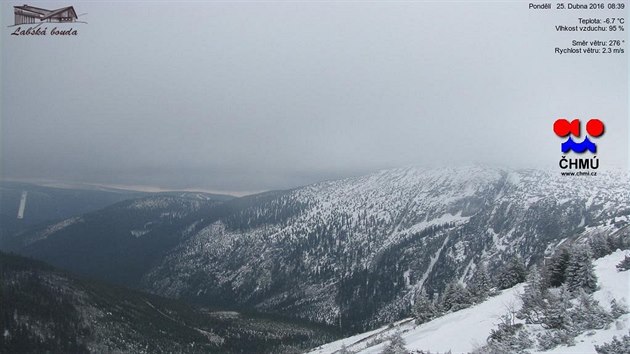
(256,96)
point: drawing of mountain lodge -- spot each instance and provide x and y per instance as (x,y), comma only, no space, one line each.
(26,14)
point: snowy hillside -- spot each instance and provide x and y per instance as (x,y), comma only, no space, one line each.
(468,329)
(351,253)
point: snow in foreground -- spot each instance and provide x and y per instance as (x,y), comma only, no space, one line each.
(465,330)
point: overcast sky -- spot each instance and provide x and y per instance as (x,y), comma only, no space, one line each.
(245,96)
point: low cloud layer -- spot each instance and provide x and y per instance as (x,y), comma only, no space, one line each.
(253,96)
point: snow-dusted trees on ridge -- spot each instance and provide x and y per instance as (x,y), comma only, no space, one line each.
(561,313)
(457,296)
(513,273)
(560,300)
(572,267)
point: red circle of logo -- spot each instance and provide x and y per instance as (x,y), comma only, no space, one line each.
(595,127)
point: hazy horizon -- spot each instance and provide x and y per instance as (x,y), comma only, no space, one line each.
(241,97)
(67,184)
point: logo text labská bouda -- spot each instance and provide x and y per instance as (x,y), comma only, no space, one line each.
(44,31)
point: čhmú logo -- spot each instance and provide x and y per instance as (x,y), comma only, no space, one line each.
(572,129)
(562,128)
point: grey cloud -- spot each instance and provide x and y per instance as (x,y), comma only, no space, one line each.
(254,96)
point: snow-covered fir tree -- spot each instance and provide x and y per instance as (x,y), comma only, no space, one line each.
(616,346)
(508,337)
(600,245)
(480,284)
(624,264)
(580,273)
(455,297)
(343,350)
(533,298)
(423,309)
(514,272)
(556,315)
(557,267)
(588,314)
(396,345)
(617,309)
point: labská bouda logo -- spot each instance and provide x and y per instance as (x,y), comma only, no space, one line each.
(563,128)
(34,21)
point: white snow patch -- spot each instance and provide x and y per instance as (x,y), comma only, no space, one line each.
(139,233)
(434,259)
(20,214)
(58,226)
(407,278)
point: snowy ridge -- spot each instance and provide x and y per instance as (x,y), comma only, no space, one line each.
(352,253)
(319,251)
(167,202)
(57,227)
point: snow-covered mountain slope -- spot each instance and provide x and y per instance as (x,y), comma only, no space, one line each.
(468,329)
(353,252)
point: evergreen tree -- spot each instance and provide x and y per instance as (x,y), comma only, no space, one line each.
(616,346)
(343,350)
(600,246)
(580,273)
(513,273)
(423,309)
(624,264)
(533,298)
(552,338)
(557,314)
(557,267)
(455,297)
(480,284)
(615,243)
(617,309)
(508,337)
(396,345)
(587,314)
